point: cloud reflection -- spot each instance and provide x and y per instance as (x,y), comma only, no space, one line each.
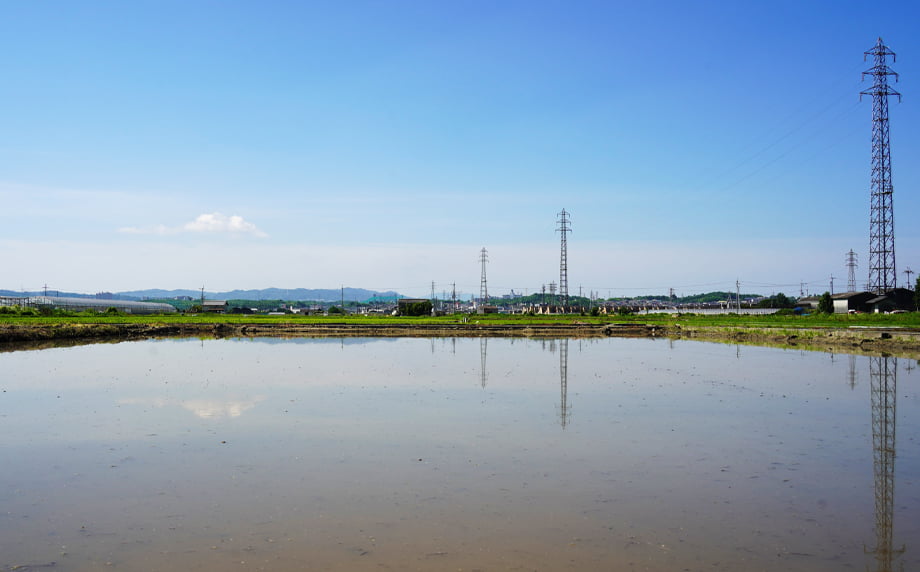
(202,408)
(207,409)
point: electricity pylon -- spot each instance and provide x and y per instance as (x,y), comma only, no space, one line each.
(851,271)
(883,373)
(882,269)
(564,227)
(564,406)
(483,287)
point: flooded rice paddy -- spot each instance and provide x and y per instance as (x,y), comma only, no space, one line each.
(457,454)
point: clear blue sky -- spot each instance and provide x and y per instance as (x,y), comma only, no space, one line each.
(175,144)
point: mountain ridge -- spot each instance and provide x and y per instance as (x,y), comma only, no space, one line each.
(298,294)
(288,294)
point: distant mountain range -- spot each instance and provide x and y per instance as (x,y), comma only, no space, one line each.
(292,294)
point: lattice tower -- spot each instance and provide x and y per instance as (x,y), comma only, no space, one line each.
(564,226)
(483,352)
(483,286)
(883,373)
(564,406)
(851,270)
(882,269)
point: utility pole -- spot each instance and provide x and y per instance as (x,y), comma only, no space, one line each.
(851,271)
(564,227)
(453,294)
(202,295)
(483,287)
(832,284)
(882,269)
(908,272)
(552,292)
(738,294)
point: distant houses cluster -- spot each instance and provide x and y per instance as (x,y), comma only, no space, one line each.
(899,299)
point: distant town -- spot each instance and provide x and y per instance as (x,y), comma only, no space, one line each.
(301,301)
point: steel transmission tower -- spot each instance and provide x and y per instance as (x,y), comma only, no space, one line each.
(851,271)
(483,288)
(483,352)
(882,271)
(564,227)
(564,407)
(883,373)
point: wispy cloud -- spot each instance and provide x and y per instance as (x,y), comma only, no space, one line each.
(208,223)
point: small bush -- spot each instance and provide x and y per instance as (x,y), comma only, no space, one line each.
(417,309)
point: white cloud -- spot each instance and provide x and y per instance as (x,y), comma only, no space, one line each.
(208,223)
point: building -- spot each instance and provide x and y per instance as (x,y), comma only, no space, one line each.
(214,306)
(808,302)
(897,299)
(97,305)
(851,302)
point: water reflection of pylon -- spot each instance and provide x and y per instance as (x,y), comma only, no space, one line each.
(883,373)
(483,350)
(852,358)
(564,382)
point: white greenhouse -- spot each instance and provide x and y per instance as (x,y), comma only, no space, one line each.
(99,305)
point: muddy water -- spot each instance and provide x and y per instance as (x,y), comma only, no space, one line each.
(467,454)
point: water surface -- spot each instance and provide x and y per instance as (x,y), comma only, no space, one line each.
(491,454)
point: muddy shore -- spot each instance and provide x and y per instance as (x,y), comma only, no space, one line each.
(902,342)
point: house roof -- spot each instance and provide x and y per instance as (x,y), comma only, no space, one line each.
(848,295)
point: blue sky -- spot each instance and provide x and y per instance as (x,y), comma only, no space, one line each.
(383,144)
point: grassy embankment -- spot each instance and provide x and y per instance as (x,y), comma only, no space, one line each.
(877,334)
